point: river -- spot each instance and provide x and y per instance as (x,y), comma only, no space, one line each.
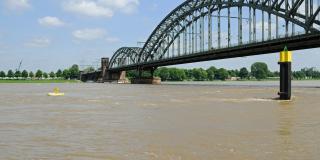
(173,121)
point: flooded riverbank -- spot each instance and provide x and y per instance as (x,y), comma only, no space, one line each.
(171,121)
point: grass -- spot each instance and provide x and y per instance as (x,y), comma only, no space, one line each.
(40,81)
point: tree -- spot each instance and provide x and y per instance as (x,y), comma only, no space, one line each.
(10,74)
(299,75)
(52,75)
(233,73)
(244,73)
(17,74)
(222,74)
(74,72)
(211,73)
(39,74)
(177,74)
(31,74)
(2,74)
(24,74)
(259,70)
(189,74)
(45,75)
(163,73)
(66,74)
(200,74)
(59,74)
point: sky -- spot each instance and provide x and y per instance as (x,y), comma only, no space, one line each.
(54,34)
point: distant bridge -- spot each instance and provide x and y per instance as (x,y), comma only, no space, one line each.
(203,30)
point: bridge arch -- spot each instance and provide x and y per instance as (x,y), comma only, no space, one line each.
(125,56)
(182,31)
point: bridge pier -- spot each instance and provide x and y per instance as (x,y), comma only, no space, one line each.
(146,80)
(119,77)
(104,68)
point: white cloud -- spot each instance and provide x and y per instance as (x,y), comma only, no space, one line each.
(126,6)
(39,42)
(17,4)
(100,8)
(87,8)
(51,22)
(89,34)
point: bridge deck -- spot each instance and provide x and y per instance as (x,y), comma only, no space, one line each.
(293,43)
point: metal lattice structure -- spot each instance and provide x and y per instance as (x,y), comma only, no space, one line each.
(206,27)
(125,56)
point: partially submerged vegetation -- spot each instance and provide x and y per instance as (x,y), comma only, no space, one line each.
(258,71)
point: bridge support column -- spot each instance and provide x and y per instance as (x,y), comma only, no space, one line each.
(146,80)
(104,68)
(285,74)
(118,77)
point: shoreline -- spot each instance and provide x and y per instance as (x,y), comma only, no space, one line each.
(13,81)
(295,83)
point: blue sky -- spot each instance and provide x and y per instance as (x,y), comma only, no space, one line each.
(52,34)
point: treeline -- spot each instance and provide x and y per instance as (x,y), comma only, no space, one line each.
(258,71)
(306,73)
(70,73)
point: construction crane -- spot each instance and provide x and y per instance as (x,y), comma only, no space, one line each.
(19,67)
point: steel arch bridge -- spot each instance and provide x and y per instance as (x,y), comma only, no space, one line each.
(202,30)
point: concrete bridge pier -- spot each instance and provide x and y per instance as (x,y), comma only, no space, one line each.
(146,80)
(104,74)
(104,68)
(118,77)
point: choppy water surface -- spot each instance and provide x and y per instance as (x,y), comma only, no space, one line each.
(169,122)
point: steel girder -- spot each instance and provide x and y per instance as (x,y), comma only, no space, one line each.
(125,56)
(179,17)
(176,23)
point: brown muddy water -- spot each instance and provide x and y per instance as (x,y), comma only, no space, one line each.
(219,121)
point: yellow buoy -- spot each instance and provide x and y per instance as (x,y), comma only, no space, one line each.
(56,92)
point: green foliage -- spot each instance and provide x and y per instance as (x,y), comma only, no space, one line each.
(2,74)
(52,75)
(244,73)
(17,74)
(39,74)
(10,74)
(66,74)
(177,74)
(222,74)
(163,73)
(131,74)
(59,73)
(189,74)
(24,74)
(306,73)
(74,72)
(233,73)
(38,81)
(211,73)
(259,70)
(311,73)
(299,75)
(45,75)
(200,74)
(31,74)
